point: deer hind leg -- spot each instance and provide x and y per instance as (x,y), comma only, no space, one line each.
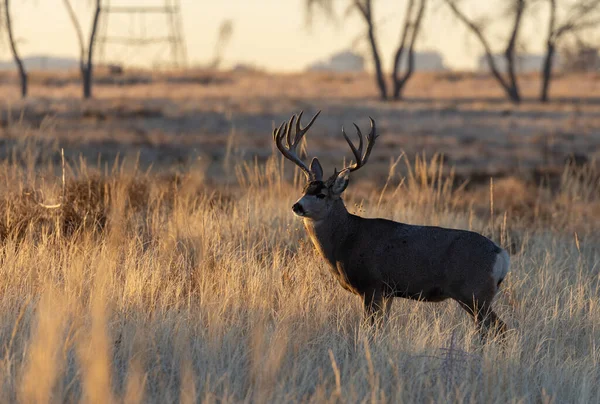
(486,320)
(387,301)
(375,307)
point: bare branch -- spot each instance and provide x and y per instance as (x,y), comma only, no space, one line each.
(550,50)
(14,50)
(400,81)
(326,6)
(510,85)
(78,31)
(86,53)
(88,72)
(403,38)
(476,30)
(581,16)
(367,12)
(552,21)
(509,53)
(365,8)
(93,31)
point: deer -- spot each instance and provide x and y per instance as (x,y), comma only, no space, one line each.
(379,259)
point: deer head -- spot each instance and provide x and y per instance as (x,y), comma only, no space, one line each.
(320,196)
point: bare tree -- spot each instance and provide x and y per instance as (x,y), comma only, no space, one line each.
(14,50)
(86,53)
(411,28)
(410,32)
(509,82)
(580,16)
(366,10)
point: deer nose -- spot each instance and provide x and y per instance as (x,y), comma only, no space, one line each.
(298,209)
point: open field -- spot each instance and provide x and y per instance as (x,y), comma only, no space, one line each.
(193,281)
(219,116)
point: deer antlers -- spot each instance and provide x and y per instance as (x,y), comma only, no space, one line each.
(289,151)
(361,159)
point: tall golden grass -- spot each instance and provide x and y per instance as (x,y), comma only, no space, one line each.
(147,288)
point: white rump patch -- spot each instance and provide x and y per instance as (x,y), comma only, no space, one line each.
(501,266)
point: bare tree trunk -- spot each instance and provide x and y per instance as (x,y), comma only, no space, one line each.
(509,87)
(550,49)
(509,54)
(401,80)
(88,75)
(401,46)
(13,48)
(547,70)
(366,11)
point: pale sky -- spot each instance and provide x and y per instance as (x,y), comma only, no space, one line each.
(266,33)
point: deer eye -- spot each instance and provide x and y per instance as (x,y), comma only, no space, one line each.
(320,196)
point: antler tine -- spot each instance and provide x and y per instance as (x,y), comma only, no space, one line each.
(352,147)
(289,152)
(370,140)
(277,131)
(288,132)
(360,139)
(301,131)
(361,159)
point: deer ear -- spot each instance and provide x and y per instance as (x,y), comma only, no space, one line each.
(316,169)
(340,182)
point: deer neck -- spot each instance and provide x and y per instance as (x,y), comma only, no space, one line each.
(328,234)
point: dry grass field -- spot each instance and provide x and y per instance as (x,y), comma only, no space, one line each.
(169,266)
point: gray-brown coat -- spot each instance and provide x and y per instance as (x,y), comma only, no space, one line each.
(380,259)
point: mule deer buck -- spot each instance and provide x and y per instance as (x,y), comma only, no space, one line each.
(380,259)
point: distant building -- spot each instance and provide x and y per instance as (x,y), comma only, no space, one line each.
(524,62)
(428,61)
(345,61)
(585,59)
(349,61)
(246,67)
(42,62)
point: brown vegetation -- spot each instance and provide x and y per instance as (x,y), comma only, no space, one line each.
(193,280)
(185,294)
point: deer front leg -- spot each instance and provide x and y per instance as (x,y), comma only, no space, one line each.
(374,307)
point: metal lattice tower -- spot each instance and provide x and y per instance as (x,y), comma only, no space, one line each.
(165,13)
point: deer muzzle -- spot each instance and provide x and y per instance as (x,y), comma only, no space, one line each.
(298,209)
